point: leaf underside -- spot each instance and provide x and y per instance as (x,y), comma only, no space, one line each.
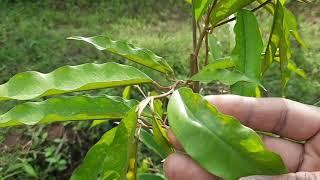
(224,9)
(247,52)
(30,85)
(109,157)
(233,150)
(139,55)
(60,109)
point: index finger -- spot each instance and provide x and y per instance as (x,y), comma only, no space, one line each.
(277,115)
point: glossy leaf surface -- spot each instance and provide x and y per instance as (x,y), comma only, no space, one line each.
(147,176)
(30,85)
(109,157)
(219,143)
(147,138)
(200,7)
(224,9)
(275,36)
(247,52)
(91,168)
(161,138)
(139,55)
(225,76)
(221,63)
(126,94)
(74,108)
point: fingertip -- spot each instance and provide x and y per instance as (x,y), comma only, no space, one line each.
(178,166)
(173,140)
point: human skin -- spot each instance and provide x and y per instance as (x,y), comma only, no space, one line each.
(289,119)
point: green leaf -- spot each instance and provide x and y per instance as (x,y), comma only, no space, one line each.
(98,122)
(247,52)
(30,85)
(29,169)
(147,176)
(120,150)
(293,67)
(54,110)
(224,76)
(200,7)
(139,55)
(126,94)
(268,7)
(110,156)
(147,139)
(157,105)
(274,38)
(221,63)
(214,47)
(224,9)
(219,143)
(291,25)
(289,21)
(161,138)
(91,165)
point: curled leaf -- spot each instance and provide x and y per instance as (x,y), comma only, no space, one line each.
(74,108)
(139,55)
(219,143)
(30,85)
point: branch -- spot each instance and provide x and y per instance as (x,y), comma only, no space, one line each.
(234,18)
(194,56)
(206,62)
(205,30)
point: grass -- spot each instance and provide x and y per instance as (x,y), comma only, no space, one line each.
(33,37)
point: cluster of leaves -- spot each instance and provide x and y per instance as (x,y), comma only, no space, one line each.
(191,117)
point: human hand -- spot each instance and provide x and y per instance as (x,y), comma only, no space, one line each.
(284,117)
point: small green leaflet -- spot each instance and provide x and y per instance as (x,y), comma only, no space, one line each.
(293,67)
(109,158)
(214,47)
(225,76)
(54,110)
(30,85)
(225,8)
(200,6)
(160,137)
(139,55)
(147,139)
(126,94)
(247,52)
(290,23)
(233,150)
(146,176)
(91,166)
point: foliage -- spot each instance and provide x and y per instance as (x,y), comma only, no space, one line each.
(114,156)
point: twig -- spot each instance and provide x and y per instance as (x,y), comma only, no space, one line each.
(234,18)
(194,57)
(141,91)
(205,31)
(206,62)
(164,94)
(161,87)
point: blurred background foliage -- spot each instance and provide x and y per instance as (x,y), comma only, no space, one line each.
(33,37)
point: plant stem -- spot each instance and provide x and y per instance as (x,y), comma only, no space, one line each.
(194,60)
(197,46)
(206,62)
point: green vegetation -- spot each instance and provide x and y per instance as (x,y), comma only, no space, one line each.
(33,37)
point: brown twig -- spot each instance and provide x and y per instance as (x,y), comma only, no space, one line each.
(196,48)
(206,62)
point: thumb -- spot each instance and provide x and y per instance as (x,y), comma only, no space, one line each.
(291,176)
